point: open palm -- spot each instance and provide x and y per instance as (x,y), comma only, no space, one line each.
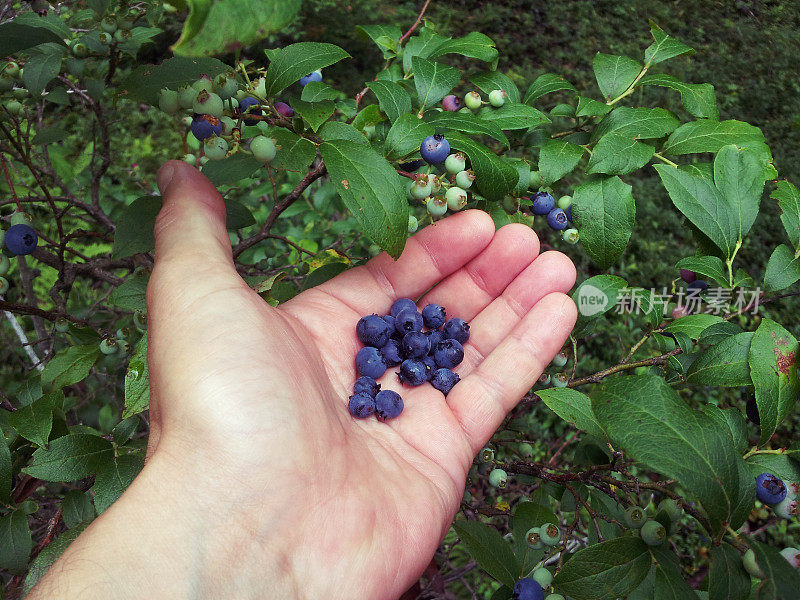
(253,399)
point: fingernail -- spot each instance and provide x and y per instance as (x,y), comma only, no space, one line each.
(165,175)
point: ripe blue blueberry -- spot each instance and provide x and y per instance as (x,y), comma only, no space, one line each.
(21,239)
(434,316)
(413,372)
(366,385)
(407,321)
(390,320)
(542,203)
(527,589)
(415,344)
(568,212)
(388,404)
(369,362)
(402,304)
(249,106)
(373,331)
(696,288)
(435,336)
(391,353)
(557,219)
(430,364)
(444,380)
(688,276)
(315,76)
(770,489)
(284,110)
(204,126)
(448,354)
(456,329)
(434,149)
(451,103)
(361,405)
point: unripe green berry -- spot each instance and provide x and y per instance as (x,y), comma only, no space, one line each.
(536,180)
(788,508)
(215,148)
(653,533)
(455,163)
(168,101)
(409,185)
(369,131)
(15,108)
(560,380)
(62,325)
(20,93)
(497,98)
(20,218)
(263,148)
(123,333)
(79,50)
(11,69)
(571,236)
(203,160)
(671,508)
(228,125)
(544,379)
(498,478)
(204,84)
(751,566)
(534,539)
(635,517)
(456,198)
(123,346)
(436,205)
(464,179)
(559,360)
(486,455)
(422,187)
(550,533)
(190,158)
(437,185)
(105,38)
(108,346)
(526,450)
(564,202)
(122,36)
(6,83)
(464,109)
(109,24)
(5,264)
(554,597)
(140,320)
(473,100)
(186,96)
(543,576)
(413,224)
(259,88)
(4,285)
(192,142)
(208,103)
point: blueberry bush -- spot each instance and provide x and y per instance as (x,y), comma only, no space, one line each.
(607,478)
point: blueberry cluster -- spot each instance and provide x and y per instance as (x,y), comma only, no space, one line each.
(774,492)
(558,214)
(440,192)
(425,345)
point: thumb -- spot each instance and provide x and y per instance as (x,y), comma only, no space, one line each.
(190,228)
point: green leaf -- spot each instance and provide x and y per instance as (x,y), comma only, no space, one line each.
(294,61)
(472,45)
(130,294)
(422,45)
(49,135)
(295,153)
(316,91)
(614,74)
(514,116)
(773,357)
(114,477)
(526,516)
(70,457)
(34,421)
(433,81)
(386,37)
(146,81)
(45,559)
(732,419)
(604,212)
(369,115)
(588,107)
(76,508)
(739,177)
(71,365)
(720,331)
(663,47)
(371,190)
(494,177)
(706,135)
(781,465)
(639,123)
(547,84)
(232,169)
(693,325)
(465,123)
(605,571)
(698,99)
(491,552)
(336,130)
(134,232)
(223,26)
(324,273)
(237,215)
(703,204)
(783,269)
(617,154)
(669,583)
(6,471)
(727,579)
(40,70)
(15,541)
(746,496)
(393,98)
(15,37)
(314,113)
(557,158)
(406,135)
(782,580)
(488,81)
(788,199)
(574,407)
(724,364)
(596,296)
(653,425)
(137,381)
(710,267)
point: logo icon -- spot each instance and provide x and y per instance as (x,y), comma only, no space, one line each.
(592,300)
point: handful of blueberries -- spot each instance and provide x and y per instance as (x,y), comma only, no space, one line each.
(427,347)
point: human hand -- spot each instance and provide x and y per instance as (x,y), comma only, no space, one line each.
(251,440)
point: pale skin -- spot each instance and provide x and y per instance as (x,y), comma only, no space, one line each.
(258,482)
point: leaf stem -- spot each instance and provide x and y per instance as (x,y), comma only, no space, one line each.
(631,87)
(666,160)
(729,262)
(755,450)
